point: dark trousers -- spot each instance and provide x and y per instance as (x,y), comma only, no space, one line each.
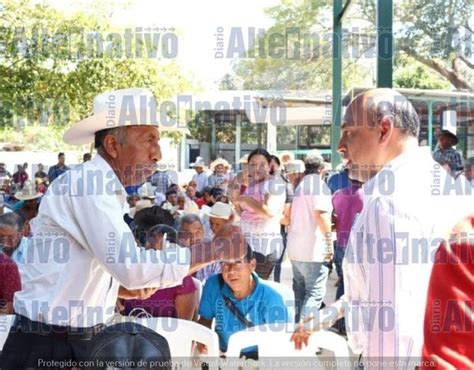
(338,257)
(277,270)
(265,265)
(42,349)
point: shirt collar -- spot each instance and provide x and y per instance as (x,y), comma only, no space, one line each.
(411,156)
(111,180)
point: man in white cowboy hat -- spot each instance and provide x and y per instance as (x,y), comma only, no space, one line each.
(201,176)
(29,200)
(68,296)
(218,177)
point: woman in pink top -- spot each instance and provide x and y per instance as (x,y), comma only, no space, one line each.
(261,208)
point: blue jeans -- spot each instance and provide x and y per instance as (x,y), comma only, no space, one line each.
(309,285)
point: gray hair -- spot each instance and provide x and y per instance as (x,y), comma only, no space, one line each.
(12,219)
(188,219)
(120,134)
(313,163)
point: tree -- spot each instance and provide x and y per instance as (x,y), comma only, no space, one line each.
(434,35)
(53,64)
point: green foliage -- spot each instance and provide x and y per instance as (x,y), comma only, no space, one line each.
(52,67)
(436,34)
(413,75)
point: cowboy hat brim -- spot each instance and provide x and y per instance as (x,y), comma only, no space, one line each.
(28,196)
(83,132)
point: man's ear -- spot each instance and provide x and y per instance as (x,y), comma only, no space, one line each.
(111,146)
(253,264)
(386,129)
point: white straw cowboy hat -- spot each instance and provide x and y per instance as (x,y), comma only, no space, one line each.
(199,163)
(141,204)
(219,210)
(147,190)
(294,166)
(162,166)
(219,161)
(118,108)
(28,192)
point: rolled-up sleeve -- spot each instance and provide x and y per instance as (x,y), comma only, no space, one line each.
(112,243)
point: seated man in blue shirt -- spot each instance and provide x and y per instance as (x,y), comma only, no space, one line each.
(255,302)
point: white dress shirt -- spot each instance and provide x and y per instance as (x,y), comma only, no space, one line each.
(81,251)
(408,208)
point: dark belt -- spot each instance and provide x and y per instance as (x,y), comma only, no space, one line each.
(25,325)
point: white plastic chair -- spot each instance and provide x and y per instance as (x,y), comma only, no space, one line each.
(6,322)
(198,285)
(180,335)
(286,293)
(276,343)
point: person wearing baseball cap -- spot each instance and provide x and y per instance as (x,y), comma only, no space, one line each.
(82,213)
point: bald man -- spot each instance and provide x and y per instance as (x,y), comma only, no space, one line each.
(409,205)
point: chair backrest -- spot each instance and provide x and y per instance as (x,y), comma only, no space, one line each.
(274,341)
(6,322)
(181,334)
(198,285)
(286,293)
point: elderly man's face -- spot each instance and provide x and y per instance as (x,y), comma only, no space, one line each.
(181,203)
(191,192)
(216,223)
(359,142)
(219,169)
(138,156)
(10,239)
(191,234)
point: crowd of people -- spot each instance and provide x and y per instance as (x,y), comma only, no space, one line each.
(277,207)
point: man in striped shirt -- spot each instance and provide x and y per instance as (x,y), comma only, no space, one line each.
(393,241)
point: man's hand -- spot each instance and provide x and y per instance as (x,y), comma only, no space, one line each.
(201,348)
(136,293)
(300,336)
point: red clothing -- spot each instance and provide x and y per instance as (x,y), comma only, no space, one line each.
(9,279)
(200,202)
(162,303)
(449,317)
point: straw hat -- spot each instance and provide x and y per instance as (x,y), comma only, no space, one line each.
(294,166)
(147,191)
(118,108)
(28,192)
(141,204)
(219,161)
(190,208)
(219,210)
(199,163)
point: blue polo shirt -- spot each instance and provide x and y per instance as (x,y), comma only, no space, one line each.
(263,306)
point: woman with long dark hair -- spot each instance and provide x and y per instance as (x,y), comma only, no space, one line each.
(261,208)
